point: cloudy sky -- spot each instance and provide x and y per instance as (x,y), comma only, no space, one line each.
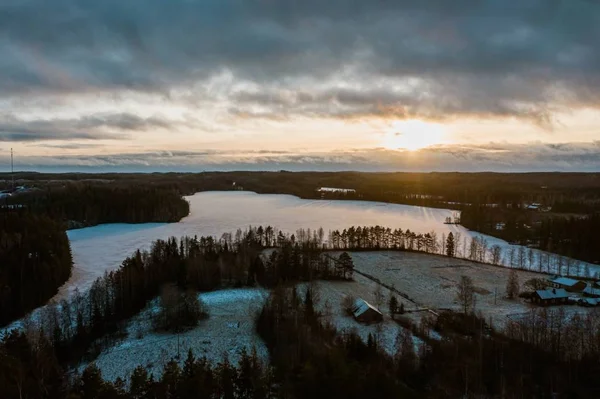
(300,84)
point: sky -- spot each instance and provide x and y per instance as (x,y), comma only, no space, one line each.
(394,85)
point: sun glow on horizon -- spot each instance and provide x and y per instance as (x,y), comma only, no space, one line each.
(413,135)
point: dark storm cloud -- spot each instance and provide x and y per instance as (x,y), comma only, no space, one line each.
(95,127)
(482,57)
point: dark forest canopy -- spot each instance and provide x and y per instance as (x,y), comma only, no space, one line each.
(88,204)
(572,192)
(575,236)
(35,256)
(35,260)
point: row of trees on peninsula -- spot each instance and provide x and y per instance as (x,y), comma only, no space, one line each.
(84,204)
(475,248)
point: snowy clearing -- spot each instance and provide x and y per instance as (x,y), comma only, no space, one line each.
(331,294)
(229,328)
(431,281)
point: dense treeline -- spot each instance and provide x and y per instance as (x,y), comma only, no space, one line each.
(573,237)
(37,374)
(569,236)
(35,255)
(35,260)
(91,204)
(476,249)
(567,192)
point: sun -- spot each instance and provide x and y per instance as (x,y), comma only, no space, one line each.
(413,135)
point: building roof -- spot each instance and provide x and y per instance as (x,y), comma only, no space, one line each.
(555,293)
(361,306)
(589,301)
(565,281)
(591,290)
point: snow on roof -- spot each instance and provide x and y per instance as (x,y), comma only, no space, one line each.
(568,282)
(590,290)
(361,306)
(555,293)
(589,301)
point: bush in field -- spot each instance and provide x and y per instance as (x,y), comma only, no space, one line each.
(465,294)
(535,284)
(512,285)
(179,310)
(393,305)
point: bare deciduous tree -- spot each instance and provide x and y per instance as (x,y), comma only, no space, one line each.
(512,285)
(378,296)
(465,294)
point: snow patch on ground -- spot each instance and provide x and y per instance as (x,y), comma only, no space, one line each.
(229,328)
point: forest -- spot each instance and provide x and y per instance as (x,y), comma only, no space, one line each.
(565,192)
(81,326)
(35,259)
(87,321)
(544,354)
(35,255)
(88,204)
(308,356)
(572,236)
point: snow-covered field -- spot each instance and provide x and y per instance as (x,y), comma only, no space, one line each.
(229,328)
(431,280)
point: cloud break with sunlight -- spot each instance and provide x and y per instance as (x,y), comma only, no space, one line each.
(305,85)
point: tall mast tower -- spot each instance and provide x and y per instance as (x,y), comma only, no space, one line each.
(12,169)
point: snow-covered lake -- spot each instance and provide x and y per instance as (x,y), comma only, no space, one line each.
(102,248)
(99,249)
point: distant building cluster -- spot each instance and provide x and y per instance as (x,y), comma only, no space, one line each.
(10,192)
(536,206)
(565,290)
(336,190)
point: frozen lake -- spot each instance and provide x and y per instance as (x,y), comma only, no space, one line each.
(102,248)
(99,248)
